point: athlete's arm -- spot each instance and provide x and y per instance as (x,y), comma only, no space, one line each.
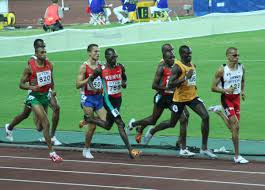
(217,78)
(158,76)
(123,77)
(91,78)
(243,95)
(52,82)
(81,80)
(25,79)
(174,80)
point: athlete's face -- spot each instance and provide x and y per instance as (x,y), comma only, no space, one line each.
(169,58)
(186,55)
(41,53)
(94,53)
(111,57)
(233,56)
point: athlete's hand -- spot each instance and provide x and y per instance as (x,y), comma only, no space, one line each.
(123,84)
(53,93)
(229,90)
(34,88)
(243,96)
(189,74)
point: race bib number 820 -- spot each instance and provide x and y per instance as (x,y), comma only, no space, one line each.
(44,78)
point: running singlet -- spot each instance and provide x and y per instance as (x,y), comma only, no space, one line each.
(187,90)
(97,82)
(113,80)
(232,78)
(164,81)
(41,76)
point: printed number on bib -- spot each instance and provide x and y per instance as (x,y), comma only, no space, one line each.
(97,83)
(44,78)
(114,87)
(115,112)
(192,80)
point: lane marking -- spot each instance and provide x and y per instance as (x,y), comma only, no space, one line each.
(70,184)
(136,176)
(140,165)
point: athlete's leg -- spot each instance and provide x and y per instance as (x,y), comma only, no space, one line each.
(55,115)
(24,115)
(91,127)
(151,120)
(183,121)
(199,108)
(42,117)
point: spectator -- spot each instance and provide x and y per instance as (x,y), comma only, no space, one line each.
(53,17)
(160,6)
(99,12)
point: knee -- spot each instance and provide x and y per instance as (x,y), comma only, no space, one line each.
(205,117)
(56,109)
(25,115)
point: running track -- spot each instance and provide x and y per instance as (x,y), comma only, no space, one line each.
(30,169)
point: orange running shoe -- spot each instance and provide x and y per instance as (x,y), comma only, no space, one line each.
(82,123)
(138,137)
(134,153)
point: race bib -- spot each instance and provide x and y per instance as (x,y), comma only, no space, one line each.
(44,78)
(192,80)
(114,87)
(168,91)
(97,83)
(115,112)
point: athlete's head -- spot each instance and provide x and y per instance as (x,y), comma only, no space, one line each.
(185,53)
(54,1)
(167,47)
(38,43)
(169,58)
(232,55)
(40,53)
(93,51)
(111,56)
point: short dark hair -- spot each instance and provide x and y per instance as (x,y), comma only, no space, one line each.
(183,48)
(109,49)
(90,46)
(54,1)
(36,43)
(229,49)
(165,47)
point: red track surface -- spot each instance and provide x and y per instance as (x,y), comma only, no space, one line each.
(30,169)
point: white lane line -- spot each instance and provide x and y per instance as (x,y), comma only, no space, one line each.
(139,165)
(136,176)
(70,184)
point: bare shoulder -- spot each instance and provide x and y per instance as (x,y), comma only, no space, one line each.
(220,71)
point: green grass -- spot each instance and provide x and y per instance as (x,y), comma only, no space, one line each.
(140,61)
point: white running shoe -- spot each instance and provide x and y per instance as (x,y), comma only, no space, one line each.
(9,133)
(87,153)
(148,136)
(130,126)
(221,150)
(208,153)
(55,141)
(186,152)
(217,108)
(240,160)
